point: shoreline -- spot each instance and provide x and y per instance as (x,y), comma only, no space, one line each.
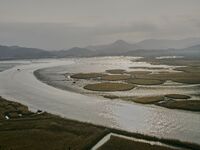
(46,102)
(104,130)
(167,104)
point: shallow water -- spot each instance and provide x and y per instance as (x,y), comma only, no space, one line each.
(54,76)
(23,87)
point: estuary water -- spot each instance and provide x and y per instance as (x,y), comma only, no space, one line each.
(19,84)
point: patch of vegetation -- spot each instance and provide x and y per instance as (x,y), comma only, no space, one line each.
(172,62)
(118,143)
(181,77)
(193,105)
(111,96)
(188,69)
(139,72)
(44,131)
(143,81)
(142,100)
(147,99)
(177,96)
(12,109)
(109,87)
(115,77)
(188,80)
(151,68)
(87,75)
(116,71)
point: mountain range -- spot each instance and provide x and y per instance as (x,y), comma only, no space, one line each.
(152,47)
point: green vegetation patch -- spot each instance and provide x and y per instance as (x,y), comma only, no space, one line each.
(143,81)
(119,143)
(87,75)
(177,96)
(115,77)
(116,71)
(193,105)
(109,87)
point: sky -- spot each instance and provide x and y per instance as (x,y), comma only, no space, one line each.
(62,24)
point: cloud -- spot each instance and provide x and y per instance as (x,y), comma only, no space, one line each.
(66,35)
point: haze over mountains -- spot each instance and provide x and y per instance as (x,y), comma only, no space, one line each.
(151,47)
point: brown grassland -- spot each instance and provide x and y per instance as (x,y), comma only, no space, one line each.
(109,87)
(117,143)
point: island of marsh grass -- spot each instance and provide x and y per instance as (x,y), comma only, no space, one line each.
(115,77)
(87,75)
(109,87)
(177,96)
(142,100)
(143,81)
(151,68)
(39,131)
(146,99)
(116,71)
(111,96)
(118,143)
(172,62)
(181,77)
(192,105)
(189,69)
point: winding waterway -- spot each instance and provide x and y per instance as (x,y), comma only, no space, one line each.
(19,84)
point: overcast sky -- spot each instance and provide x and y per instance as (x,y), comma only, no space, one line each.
(61,24)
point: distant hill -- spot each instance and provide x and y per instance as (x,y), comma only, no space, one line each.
(195,47)
(16,52)
(146,48)
(121,46)
(190,52)
(74,52)
(117,47)
(168,44)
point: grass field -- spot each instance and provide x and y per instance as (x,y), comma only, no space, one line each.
(35,131)
(117,143)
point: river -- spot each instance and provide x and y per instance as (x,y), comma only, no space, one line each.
(19,84)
